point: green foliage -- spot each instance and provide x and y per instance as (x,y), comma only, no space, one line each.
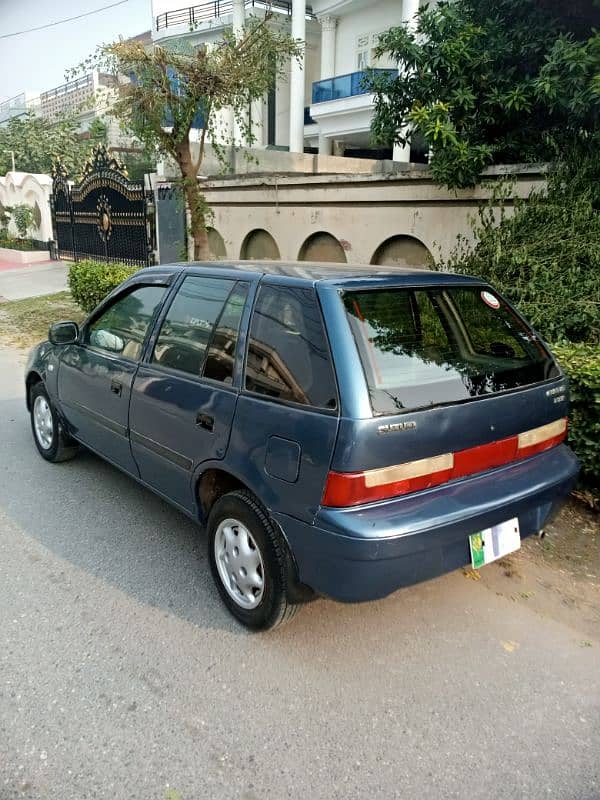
(543,254)
(582,364)
(16,244)
(37,142)
(488,83)
(90,281)
(23,217)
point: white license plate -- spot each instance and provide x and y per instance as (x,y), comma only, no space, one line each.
(495,542)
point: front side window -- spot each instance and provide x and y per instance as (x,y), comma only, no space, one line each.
(122,327)
(425,347)
(187,329)
(288,357)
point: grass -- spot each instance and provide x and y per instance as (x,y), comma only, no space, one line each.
(23,323)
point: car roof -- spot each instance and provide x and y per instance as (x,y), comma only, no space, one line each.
(314,271)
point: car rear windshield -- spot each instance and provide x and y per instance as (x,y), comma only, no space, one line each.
(426,347)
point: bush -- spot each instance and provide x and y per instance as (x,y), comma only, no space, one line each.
(90,281)
(545,257)
(581,362)
(12,243)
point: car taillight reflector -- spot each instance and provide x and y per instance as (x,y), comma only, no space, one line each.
(344,489)
(538,439)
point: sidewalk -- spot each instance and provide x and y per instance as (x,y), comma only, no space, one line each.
(18,281)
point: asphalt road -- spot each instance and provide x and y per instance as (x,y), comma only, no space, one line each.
(122,676)
(19,281)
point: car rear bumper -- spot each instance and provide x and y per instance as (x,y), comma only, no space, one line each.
(367,552)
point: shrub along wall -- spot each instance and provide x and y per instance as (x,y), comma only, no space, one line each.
(582,364)
(90,281)
(545,258)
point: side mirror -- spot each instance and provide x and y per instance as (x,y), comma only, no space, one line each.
(63,333)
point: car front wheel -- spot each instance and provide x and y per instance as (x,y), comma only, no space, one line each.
(50,439)
(250,562)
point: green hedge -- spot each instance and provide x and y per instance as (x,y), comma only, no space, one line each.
(91,281)
(581,362)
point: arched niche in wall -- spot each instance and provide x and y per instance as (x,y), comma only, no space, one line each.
(260,245)
(216,243)
(322,247)
(403,251)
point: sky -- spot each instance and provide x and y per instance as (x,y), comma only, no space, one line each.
(37,60)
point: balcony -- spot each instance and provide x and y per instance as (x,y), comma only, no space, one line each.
(342,86)
(192,15)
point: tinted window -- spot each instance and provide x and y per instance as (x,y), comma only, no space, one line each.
(123,326)
(288,357)
(220,360)
(424,347)
(188,326)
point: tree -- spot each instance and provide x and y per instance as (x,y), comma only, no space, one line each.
(24,218)
(171,87)
(37,142)
(490,83)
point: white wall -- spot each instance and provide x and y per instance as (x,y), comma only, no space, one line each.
(23,187)
(375,17)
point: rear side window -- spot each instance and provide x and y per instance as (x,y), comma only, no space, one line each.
(426,347)
(288,357)
(187,329)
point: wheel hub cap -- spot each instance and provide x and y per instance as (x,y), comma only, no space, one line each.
(42,422)
(239,563)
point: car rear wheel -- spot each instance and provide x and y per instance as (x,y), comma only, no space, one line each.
(250,562)
(50,439)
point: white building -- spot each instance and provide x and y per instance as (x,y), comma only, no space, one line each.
(87,96)
(18,106)
(323,106)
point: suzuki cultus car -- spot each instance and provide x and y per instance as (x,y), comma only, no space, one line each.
(340,431)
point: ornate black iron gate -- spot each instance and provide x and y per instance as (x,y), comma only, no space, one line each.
(104,217)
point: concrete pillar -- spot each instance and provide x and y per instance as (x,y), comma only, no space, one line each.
(297,78)
(409,10)
(238,22)
(325,145)
(257,119)
(328,26)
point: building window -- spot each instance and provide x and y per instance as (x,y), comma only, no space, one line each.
(366,44)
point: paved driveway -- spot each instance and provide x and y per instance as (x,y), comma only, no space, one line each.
(19,281)
(121,675)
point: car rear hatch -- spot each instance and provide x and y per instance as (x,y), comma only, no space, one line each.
(457,384)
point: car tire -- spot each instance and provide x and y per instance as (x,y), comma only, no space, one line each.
(52,442)
(250,562)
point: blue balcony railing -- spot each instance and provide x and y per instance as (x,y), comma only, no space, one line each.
(345,85)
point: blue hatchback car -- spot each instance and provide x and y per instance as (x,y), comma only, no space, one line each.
(340,431)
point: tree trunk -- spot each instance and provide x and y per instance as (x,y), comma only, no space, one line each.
(195,202)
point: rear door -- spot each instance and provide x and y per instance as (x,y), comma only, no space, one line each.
(184,395)
(287,415)
(447,369)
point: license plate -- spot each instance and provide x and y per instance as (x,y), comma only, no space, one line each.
(495,542)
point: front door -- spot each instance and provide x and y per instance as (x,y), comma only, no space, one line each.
(184,398)
(95,376)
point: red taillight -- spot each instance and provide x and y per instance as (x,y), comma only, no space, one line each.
(344,489)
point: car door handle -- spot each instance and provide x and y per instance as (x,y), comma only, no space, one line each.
(116,388)
(205,421)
